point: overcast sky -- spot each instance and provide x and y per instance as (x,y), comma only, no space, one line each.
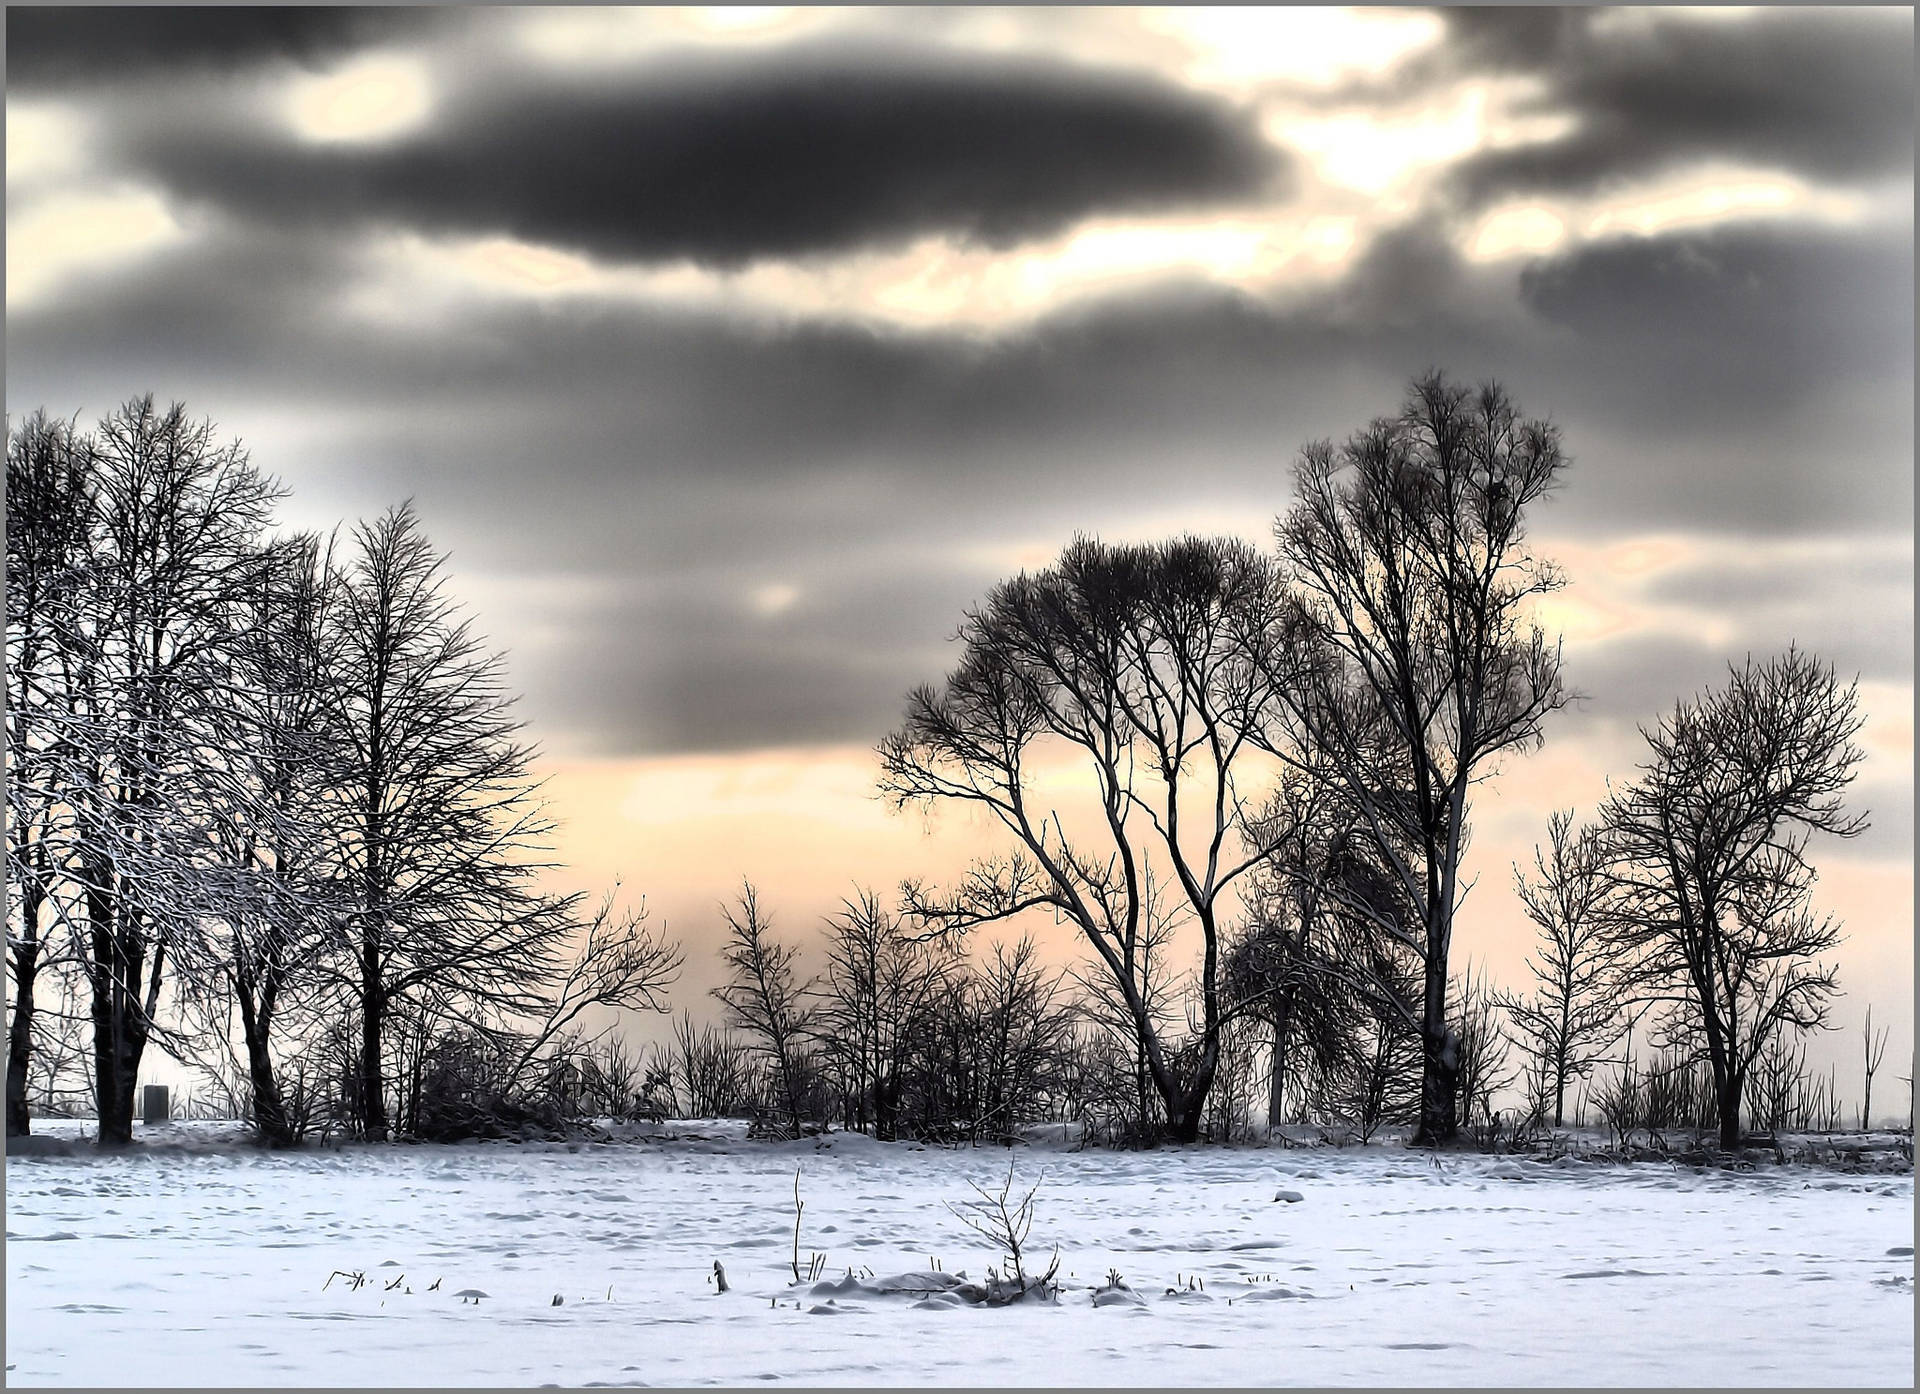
(732,354)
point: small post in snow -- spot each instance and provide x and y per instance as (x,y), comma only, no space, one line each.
(153,1103)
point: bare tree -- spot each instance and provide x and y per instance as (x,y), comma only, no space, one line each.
(620,960)
(443,838)
(1143,663)
(1017,1020)
(1003,1220)
(1379,1083)
(60,1074)
(1573,1016)
(1874,1049)
(1484,1070)
(49,506)
(1295,965)
(713,1069)
(879,984)
(173,549)
(1412,664)
(766,999)
(270,905)
(1709,879)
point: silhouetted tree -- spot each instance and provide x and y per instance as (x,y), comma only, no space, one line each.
(443,838)
(1144,663)
(272,903)
(1411,662)
(766,999)
(173,550)
(1484,1068)
(617,958)
(879,984)
(1016,1020)
(1287,966)
(49,511)
(1573,1016)
(1709,879)
(713,1069)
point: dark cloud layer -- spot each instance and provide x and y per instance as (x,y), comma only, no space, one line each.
(82,44)
(723,161)
(1745,382)
(622,479)
(1715,346)
(1828,96)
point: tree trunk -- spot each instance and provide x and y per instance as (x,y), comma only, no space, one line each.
(269,1107)
(1183,1121)
(119,1033)
(373,1083)
(1187,1107)
(26,967)
(1440,1043)
(1729,1095)
(20,1052)
(116,1059)
(1439,1056)
(1277,1075)
(1439,1087)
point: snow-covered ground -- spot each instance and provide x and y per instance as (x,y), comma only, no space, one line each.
(197,1264)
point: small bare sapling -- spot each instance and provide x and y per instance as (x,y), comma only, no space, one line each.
(1005,1222)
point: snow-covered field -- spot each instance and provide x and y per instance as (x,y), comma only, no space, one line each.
(194,1264)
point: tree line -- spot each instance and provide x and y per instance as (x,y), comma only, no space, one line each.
(267,805)
(1283,749)
(266,796)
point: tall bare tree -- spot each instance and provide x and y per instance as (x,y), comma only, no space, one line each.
(443,838)
(1413,664)
(1144,663)
(174,532)
(1710,882)
(1573,1015)
(766,999)
(272,903)
(49,510)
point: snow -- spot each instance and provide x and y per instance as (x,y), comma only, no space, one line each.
(195,1261)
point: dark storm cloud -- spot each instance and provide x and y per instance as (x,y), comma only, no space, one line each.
(52,45)
(725,160)
(1689,371)
(1827,95)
